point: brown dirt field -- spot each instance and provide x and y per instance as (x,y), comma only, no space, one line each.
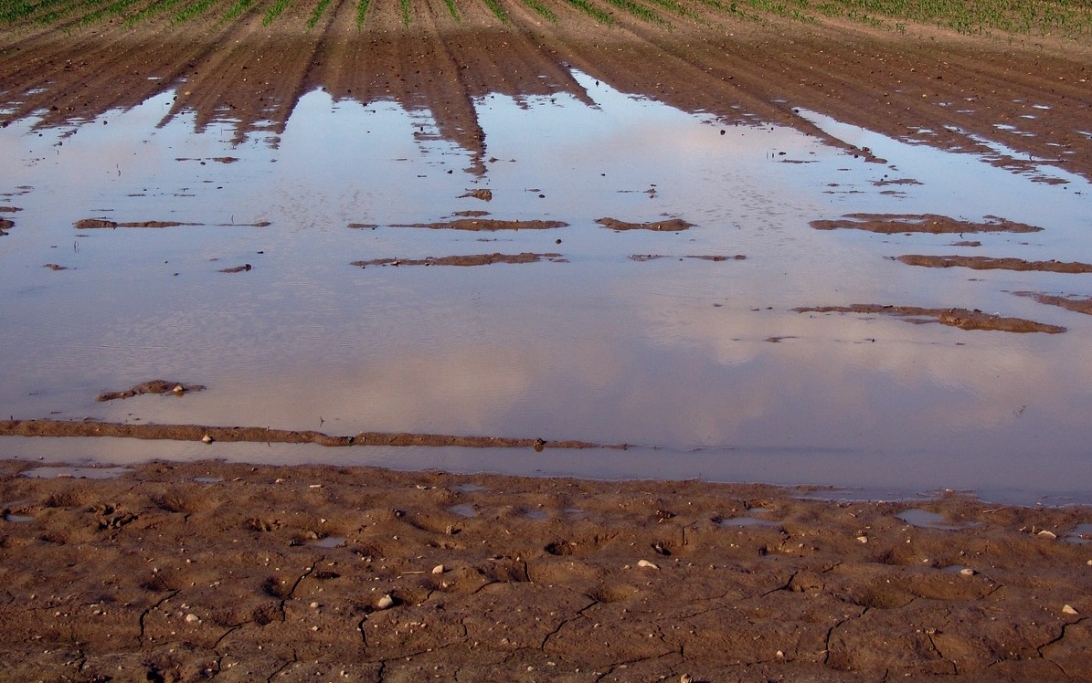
(232,572)
(180,572)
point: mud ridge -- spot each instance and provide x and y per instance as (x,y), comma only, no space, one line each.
(964,319)
(989,263)
(471,260)
(924,223)
(211,434)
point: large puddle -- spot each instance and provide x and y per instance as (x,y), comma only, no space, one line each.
(683,344)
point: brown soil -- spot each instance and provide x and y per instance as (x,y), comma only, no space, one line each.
(670,225)
(91,223)
(155,386)
(988,263)
(470,260)
(209,434)
(232,572)
(159,576)
(1071,303)
(962,318)
(926,223)
(485,224)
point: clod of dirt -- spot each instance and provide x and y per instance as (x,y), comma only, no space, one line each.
(469,260)
(486,224)
(54,266)
(155,386)
(988,263)
(670,225)
(889,224)
(1070,303)
(237,269)
(484,195)
(962,318)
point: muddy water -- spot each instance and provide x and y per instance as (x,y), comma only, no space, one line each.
(701,364)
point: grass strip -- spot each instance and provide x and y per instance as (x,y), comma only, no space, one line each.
(498,11)
(64,10)
(317,14)
(541,9)
(275,11)
(592,11)
(113,9)
(150,11)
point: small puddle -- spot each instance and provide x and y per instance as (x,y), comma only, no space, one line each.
(1081,534)
(463,510)
(18,519)
(731,522)
(329,542)
(51,472)
(928,520)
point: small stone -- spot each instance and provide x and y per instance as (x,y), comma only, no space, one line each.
(438,569)
(966,571)
(1047,534)
(686,678)
(1068,609)
(207,439)
(647,564)
(179,389)
(192,618)
(314,605)
(385,602)
(862,539)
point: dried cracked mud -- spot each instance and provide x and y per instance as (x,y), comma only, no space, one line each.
(232,572)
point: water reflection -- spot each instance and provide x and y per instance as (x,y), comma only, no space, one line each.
(671,354)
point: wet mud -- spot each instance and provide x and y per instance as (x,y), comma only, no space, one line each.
(211,434)
(96,223)
(669,225)
(641,258)
(155,386)
(239,572)
(964,319)
(470,260)
(989,263)
(1070,303)
(923,223)
(486,225)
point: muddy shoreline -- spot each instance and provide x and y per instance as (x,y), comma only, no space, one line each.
(235,572)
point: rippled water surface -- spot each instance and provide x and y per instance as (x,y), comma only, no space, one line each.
(701,365)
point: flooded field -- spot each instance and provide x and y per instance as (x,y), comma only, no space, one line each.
(729,300)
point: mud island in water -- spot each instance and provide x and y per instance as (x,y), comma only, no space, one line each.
(217,571)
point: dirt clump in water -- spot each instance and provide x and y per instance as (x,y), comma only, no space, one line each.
(486,224)
(94,223)
(963,318)
(469,260)
(155,386)
(238,269)
(1071,303)
(925,223)
(669,225)
(990,263)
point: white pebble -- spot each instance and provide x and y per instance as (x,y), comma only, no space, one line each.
(438,569)
(1068,609)
(862,539)
(193,618)
(647,564)
(385,602)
